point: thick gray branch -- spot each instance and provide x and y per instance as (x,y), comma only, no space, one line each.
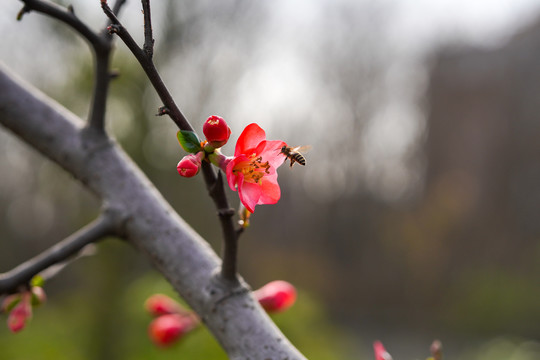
(147,221)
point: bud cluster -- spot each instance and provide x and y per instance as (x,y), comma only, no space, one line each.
(172,321)
(19,306)
(217,133)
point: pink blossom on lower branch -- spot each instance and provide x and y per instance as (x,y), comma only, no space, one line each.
(165,330)
(21,313)
(276,296)
(252,170)
(380,351)
(160,304)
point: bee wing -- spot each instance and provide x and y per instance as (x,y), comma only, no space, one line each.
(302,149)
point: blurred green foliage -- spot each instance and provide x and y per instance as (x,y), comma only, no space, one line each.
(78,325)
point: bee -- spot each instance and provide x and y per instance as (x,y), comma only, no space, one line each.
(294,155)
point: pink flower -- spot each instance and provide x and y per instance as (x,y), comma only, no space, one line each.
(253,168)
(276,296)
(380,351)
(190,164)
(216,131)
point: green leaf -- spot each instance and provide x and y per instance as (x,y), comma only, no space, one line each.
(189,141)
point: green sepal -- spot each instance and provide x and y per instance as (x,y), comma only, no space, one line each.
(189,141)
(37,281)
(11,303)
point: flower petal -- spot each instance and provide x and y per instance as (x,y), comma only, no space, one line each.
(249,139)
(250,194)
(233,179)
(270,150)
(270,191)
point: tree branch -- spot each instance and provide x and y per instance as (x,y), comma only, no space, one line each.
(22,274)
(149,68)
(213,184)
(65,15)
(229,251)
(147,221)
(102,77)
(101,48)
(148,46)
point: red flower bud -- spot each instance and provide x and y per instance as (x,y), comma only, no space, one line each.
(436,350)
(20,314)
(217,131)
(165,330)
(380,351)
(276,296)
(159,304)
(190,164)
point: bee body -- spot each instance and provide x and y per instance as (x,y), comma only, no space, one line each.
(293,154)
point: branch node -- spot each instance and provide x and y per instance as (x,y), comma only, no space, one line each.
(71,9)
(226,212)
(163,111)
(113,29)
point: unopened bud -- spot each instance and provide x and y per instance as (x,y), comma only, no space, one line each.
(380,351)
(217,131)
(21,313)
(159,304)
(189,165)
(276,296)
(38,295)
(436,350)
(165,330)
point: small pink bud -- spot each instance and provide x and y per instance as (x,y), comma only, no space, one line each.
(436,350)
(159,304)
(20,314)
(380,351)
(38,295)
(189,165)
(217,131)
(165,330)
(276,296)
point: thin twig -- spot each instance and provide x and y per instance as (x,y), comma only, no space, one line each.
(149,68)
(213,183)
(100,45)
(229,251)
(23,273)
(102,78)
(148,46)
(96,117)
(64,15)
(118,5)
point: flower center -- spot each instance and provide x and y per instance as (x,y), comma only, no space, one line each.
(254,169)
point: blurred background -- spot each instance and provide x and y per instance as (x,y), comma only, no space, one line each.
(417,216)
